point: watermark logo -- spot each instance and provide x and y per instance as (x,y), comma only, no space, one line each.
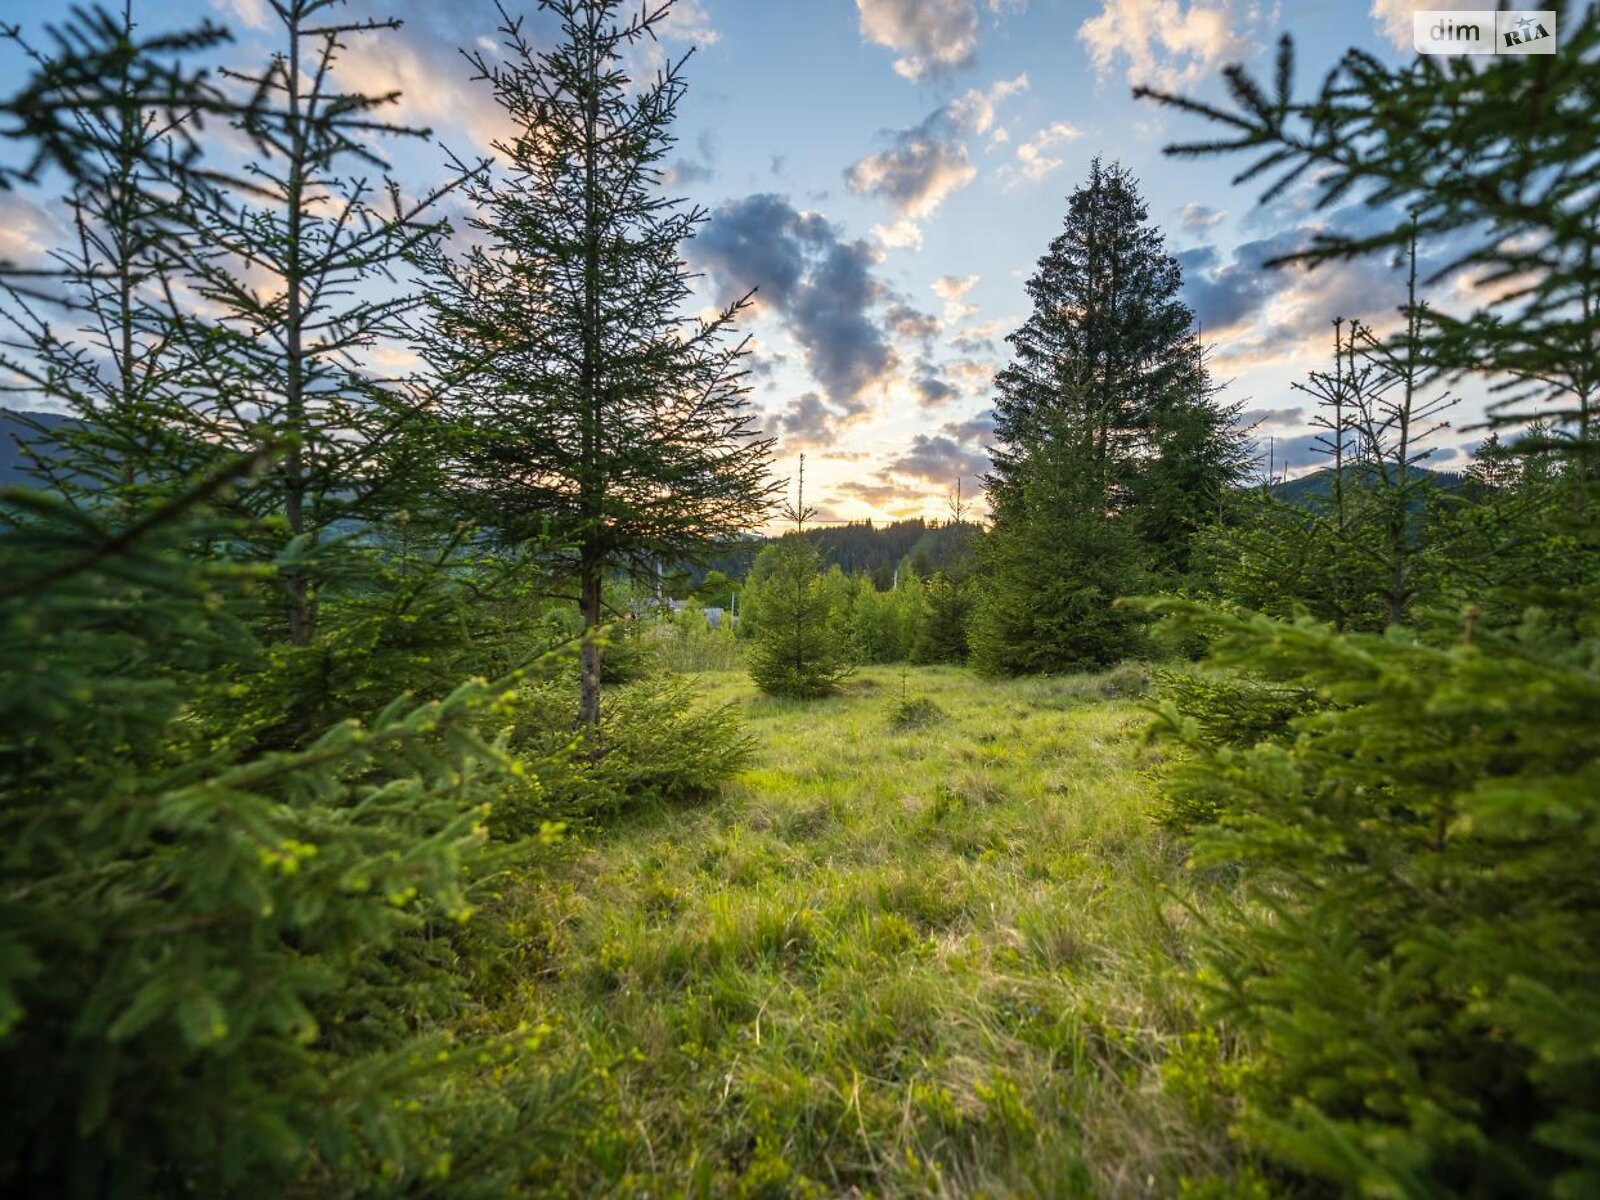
(1525,32)
(1472,31)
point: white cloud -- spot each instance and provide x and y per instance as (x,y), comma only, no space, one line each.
(688,21)
(932,37)
(1199,216)
(250,13)
(903,234)
(1167,43)
(919,174)
(27,232)
(1035,159)
(928,163)
(976,110)
(382,63)
(952,289)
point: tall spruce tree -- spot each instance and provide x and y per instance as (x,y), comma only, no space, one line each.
(1111,449)
(304,263)
(1056,559)
(591,410)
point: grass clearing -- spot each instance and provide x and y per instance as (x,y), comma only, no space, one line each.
(930,958)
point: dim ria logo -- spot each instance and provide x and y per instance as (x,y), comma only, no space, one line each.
(1454,31)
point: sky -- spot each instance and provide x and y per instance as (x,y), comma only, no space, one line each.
(886,174)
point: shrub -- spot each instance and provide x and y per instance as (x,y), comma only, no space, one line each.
(686,642)
(915,712)
(212,972)
(656,743)
(1419,947)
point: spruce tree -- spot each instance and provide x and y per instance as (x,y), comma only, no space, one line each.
(1111,453)
(218,967)
(591,411)
(306,265)
(798,648)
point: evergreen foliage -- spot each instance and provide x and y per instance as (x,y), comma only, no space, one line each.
(1419,949)
(1054,564)
(588,409)
(798,648)
(211,972)
(1415,958)
(942,634)
(1111,454)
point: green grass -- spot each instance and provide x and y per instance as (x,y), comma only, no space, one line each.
(929,958)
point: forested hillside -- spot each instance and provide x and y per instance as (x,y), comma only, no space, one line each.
(443,753)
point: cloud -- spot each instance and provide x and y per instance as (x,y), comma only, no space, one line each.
(932,37)
(907,322)
(698,169)
(1226,295)
(952,289)
(1294,453)
(978,430)
(927,163)
(252,14)
(1271,418)
(423,62)
(873,493)
(27,231)
(822,286)
(686,170)
(933,391)
(807,423)
(903,234)
(939,458)
(972,372)
(976,110)
(687,21)
(1167,43)
(1199,216)
(922,168)
(1034,157)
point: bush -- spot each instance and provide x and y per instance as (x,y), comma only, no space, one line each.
(656,743)
(915,713)
(685,642)
(214,967)
(1419,948)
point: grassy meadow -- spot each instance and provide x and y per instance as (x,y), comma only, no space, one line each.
(924,949)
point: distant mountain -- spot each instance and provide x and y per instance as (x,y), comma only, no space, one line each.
(14,460)
(865,548)
(1317,487)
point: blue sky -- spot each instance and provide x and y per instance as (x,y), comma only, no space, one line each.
(889,171)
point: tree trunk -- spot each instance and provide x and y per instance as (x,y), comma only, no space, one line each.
(589,601)
(591,569)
